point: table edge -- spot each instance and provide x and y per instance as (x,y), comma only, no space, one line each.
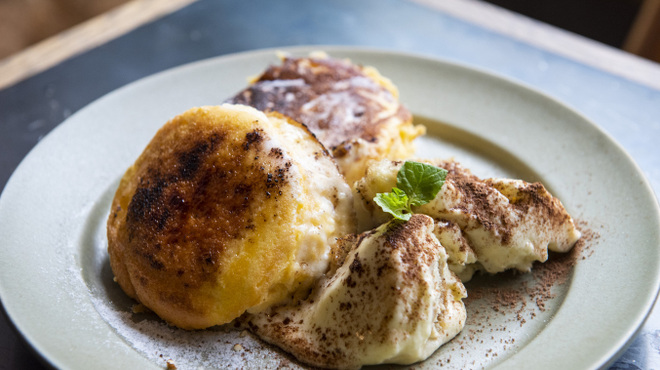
(82,37)
(552,39)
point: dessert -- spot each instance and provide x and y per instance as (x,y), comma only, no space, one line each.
(354,111)
(392,300)
(491,225)
(232,213)
(226,210)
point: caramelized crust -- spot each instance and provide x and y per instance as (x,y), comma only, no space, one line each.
(201,225)
(353,110)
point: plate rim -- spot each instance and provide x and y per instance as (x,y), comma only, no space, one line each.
(333,49)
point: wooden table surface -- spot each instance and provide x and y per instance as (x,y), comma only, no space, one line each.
(17,73)
(137,12)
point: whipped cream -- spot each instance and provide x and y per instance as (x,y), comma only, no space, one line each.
(392,299)
(491,225)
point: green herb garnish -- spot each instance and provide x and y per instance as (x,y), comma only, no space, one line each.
(416,184)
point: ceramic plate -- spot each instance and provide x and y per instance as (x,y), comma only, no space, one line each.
(56,284)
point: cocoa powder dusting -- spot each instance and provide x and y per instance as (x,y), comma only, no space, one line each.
(499,306)
(557,270)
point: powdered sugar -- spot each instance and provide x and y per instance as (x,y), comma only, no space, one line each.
(215,348)
(503,316)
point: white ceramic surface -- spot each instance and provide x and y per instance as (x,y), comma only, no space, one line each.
(56,285)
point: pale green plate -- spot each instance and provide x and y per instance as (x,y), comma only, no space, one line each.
(57,288)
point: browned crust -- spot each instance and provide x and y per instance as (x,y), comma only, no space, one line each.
(344,106)
(197,189)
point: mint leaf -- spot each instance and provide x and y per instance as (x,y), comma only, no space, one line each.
(416,184)
(421,182)
(396,203)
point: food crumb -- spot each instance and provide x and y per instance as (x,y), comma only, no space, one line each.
(238,347)
(139,308)
(170,364)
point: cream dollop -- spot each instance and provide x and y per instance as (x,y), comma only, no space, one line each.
(392,299)
(491,225)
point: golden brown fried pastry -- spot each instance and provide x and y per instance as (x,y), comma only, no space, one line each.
(226,210)
(353,110)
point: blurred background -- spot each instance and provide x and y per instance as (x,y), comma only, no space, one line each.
(631,25)
(26,22)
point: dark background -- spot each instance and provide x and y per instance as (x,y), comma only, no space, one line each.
(607,21)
